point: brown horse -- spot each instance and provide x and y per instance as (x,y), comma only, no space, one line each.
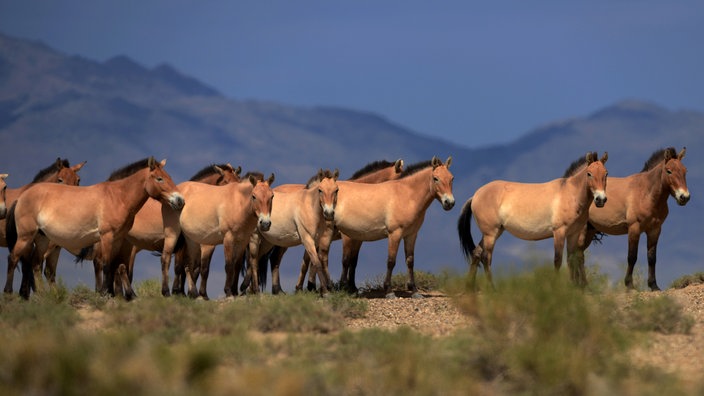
(156,226)
(395,210)
(60,172)
(77,217)
(223,215)
(300,218)
(3,195)
(374,172)
(638,204)
(535,211)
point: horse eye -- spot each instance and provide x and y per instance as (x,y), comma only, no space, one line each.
(589,174)
(435,179)
(253,197)
(669,172)
(159,179)
(61,180)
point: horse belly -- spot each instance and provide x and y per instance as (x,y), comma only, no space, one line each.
(532,226)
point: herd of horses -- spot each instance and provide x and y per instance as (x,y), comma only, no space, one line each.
(139,207)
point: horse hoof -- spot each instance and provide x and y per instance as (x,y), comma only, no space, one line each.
(165,293)
(391,296)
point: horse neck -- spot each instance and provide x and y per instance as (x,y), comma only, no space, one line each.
(210,179)
(420,186)
(378,176)
(656,189)
(245,188)
(580,184)
(132,190)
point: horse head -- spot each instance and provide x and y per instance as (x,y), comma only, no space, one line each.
(327,192)
(68,174)
(596,177)
(161,187)
(675,176)
(3,190)
(228,174)
(442,182)
(262,197)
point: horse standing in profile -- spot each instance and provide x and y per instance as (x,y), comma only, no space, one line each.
(77,217)
(156,226)
(223,215)
(373,172)
(394,210)
(60,172)
(300,218)
(638,204)
(557,209)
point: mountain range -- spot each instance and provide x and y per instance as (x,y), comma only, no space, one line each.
(115,112)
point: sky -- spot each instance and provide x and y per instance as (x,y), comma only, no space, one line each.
(469,72)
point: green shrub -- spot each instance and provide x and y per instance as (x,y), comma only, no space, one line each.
(684,281)
(661,314)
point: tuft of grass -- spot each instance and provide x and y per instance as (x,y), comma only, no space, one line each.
(687,280)
(661,314)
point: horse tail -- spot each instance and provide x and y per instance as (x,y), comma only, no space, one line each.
(11,228)
(262,271)
(598,236)
(84,254)
(463,229)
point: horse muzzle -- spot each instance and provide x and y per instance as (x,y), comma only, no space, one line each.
(448,202)
(264,223)
(328,213)
(599,199)
(682,197)
(176,201)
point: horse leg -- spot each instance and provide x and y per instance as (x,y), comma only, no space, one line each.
(394,242)
(652,242)
(51,261)
(206,254)
(277,254)
(190,265)
(42,246)
(350,256)
(311,252)
(302,274)
(130,261)
(575,258)
(486,254)
(633,237)
(253,261)
(409,244)
(181,259)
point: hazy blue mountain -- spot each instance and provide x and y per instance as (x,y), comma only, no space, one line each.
(115,112)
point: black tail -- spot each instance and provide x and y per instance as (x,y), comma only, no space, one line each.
(463,229)
(598,236)
(11,228)
(83,254)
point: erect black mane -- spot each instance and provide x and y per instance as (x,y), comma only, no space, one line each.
(578,164)
(657,157)
(257,176)
(318,177)
(129,170)
(415,168)
(371,167)
(207,171)
(50,170)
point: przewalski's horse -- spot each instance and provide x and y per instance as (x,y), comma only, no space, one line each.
(300,218)
(638,204)
(395,210)
(77,217)
(60,172)
(374,172)
(3,195)
(223,215)
(156,225)
(557,209)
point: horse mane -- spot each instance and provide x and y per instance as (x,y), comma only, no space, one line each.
(207,171)
(371,167)
(318,177)
(128,170)
(257,175)
(415,168)
(577,165)
(657,157)
(51,169)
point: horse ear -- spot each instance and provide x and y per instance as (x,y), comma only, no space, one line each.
(604,157)
(271,179)
(3,176)
(150,163)
(219,170)
(163,162)
(589,157)
(448,162)
(59,164)
(336,174)
(398,165)
(253,180)
(681,154)
(435,162)
(78,167)
(238,170)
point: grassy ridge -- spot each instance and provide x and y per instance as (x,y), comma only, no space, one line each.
(535,335)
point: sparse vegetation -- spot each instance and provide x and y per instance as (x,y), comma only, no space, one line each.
(534,334)
(684,281)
